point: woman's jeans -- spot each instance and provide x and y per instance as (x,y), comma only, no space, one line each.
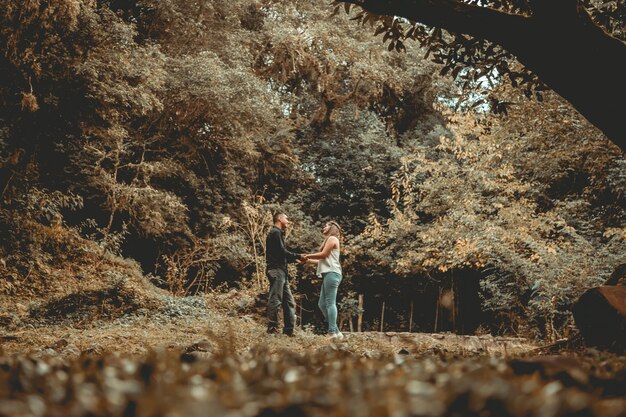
(328,299)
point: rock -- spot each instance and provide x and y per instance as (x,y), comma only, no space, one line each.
(566,369)
(59,344)
(245,302)
(201,346)
(21,308)
(5,320)
(600,315)
(49,352)
(71,350)
(95,350)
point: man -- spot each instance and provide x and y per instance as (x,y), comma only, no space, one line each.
(277,257)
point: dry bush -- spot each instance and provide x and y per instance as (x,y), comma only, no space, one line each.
(61,274)
(29,102)
(89,306)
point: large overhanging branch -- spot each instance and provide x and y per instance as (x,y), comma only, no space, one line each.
(552,8)
(454,16)
(558,41)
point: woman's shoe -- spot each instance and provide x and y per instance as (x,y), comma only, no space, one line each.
(337,335)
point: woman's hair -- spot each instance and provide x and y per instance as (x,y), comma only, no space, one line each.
(335,230)
(338,232)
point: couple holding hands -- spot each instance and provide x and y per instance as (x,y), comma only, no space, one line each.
(328,268)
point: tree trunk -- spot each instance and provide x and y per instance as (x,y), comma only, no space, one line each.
(437,311)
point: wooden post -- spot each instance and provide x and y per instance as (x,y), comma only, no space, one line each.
(382,317)
(437,311)
(453,302)
(359,325)
(351,325)
(411,318)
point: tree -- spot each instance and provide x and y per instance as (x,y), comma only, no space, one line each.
(575,47)
(163,118)
(539,222)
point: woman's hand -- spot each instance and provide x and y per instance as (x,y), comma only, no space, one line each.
(308,260)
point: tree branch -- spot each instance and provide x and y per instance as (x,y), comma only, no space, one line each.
(559,42)
(554,8)
(452,15)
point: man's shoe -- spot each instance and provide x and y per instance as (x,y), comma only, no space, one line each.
(288,333)
(272,330)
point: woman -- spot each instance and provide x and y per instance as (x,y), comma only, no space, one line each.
(329,269)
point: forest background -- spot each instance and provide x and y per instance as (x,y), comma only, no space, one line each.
(156,137)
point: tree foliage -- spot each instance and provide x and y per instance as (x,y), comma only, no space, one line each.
(478,201)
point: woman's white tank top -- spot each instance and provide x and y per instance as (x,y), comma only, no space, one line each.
(329,263)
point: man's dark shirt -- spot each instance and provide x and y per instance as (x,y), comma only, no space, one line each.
(276,255)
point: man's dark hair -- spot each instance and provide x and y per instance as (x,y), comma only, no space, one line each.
(277,215)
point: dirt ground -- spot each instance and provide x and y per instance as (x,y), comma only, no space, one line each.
(210,318)
(210,356)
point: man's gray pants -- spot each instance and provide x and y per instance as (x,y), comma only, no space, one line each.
(280,295)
